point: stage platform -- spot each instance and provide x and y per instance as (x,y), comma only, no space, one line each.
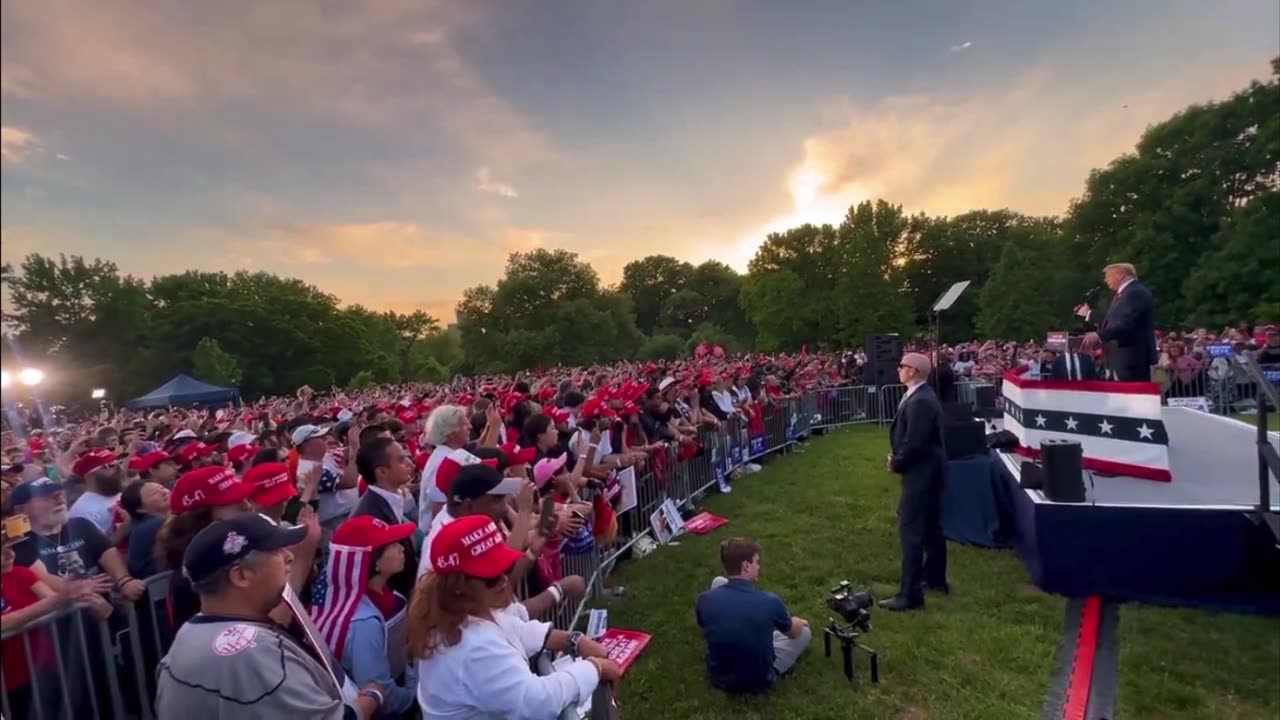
(1195,541)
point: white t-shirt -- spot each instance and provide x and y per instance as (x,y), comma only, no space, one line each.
(724,400)
(334,502)
(441,519)
(487,676)
(427,490)
(96,509)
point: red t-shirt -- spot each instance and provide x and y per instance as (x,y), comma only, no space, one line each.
(17,591)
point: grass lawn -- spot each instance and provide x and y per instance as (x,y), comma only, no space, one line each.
(986,651)
(824,516)
(1273,420)
(1191,664)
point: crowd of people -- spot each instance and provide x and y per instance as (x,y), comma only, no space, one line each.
(376,538)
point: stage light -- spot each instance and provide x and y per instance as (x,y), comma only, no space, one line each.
(98,393)
(30,376)
(4,378)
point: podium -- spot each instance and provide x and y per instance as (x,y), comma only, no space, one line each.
(1118,424)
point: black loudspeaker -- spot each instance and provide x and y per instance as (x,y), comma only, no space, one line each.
(1063,478)
(884,352)
(964,438)
(984,397)
(956,412)
(1031,476)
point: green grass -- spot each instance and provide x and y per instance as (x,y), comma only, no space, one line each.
(823,516)
(1273,420)
(984,652)
(1191,664)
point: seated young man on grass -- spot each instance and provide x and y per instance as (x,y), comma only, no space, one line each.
(752,639)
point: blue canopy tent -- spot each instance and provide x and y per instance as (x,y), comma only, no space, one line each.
(185,390)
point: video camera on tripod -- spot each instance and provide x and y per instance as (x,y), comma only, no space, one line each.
(855,609)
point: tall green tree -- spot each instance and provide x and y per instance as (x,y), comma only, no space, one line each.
(1239,278)
(650,281)
(212,364)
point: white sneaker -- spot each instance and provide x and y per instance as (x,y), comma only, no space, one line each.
(725,488)
(754,467)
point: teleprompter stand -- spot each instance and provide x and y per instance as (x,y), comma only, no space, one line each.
(848,638)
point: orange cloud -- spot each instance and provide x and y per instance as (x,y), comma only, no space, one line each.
(17,144)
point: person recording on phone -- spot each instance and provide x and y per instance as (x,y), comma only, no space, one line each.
(1128,327)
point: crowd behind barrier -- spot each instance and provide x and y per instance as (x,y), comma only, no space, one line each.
(73,664)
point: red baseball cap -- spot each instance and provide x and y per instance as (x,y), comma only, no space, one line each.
(241,453)
(93,460)
(207,487)
(517,455)
(142,463)
(191,451)
(472,545)
(270,483)
(452,463)
(368,531)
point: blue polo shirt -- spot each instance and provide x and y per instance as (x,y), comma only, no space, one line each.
(737,621)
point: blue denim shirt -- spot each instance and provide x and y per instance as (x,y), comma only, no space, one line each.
(364,657)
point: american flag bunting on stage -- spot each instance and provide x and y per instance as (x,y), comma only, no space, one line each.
(337,593)
(1118,425)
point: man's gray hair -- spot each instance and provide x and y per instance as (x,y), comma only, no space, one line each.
(1126,268)
(443,422)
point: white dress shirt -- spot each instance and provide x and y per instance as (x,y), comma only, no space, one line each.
(486,676)
(394,499)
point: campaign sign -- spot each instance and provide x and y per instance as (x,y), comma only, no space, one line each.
(598,624)
(703,523)
(1195,403)
(717,467)
(791,428)
(757,446)
(735,451)
(624,646)
(1056,340)
(1219,350)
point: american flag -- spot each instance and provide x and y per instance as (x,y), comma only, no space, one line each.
(337,593)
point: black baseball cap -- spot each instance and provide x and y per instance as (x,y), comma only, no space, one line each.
(477,480)
(227,542)
(25,492)
(13,468)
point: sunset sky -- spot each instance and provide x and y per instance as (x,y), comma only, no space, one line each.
(393,153)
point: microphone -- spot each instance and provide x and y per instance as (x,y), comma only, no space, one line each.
(1089,296)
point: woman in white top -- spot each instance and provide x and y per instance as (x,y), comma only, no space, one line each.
(472,654)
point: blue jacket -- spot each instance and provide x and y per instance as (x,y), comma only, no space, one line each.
(364,657)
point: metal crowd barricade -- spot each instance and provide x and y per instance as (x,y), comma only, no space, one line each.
(71,669)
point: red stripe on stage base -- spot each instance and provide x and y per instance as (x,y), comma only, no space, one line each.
(1097,386)
(1077,701)
(1110,466)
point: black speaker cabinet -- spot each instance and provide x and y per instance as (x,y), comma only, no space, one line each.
(884,352)
(1032,476)
(984,397)
(1063,478)
(964,438)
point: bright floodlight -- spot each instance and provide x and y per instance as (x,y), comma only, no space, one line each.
(98,393)
(30,376)
(4,378)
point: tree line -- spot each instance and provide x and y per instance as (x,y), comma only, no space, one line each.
(1196,207)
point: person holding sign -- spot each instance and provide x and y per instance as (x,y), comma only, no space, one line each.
(1128,328)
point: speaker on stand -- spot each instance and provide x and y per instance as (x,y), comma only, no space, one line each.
(884,352)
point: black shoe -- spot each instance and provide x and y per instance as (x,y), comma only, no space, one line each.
(944,588)
(898,603)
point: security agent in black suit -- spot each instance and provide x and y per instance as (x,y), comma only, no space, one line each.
(920,457)
(1073,366)
(386,468)
(1128,328)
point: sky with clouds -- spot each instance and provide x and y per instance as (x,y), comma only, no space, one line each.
(393,152)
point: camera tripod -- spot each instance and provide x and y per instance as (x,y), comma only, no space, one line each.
(848,638)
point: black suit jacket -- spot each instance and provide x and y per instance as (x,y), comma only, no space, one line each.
(1129,329)
(1084,367)
(916,435)
(373,504)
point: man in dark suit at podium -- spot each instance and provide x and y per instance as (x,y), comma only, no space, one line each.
(1128,328)
(921,459)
